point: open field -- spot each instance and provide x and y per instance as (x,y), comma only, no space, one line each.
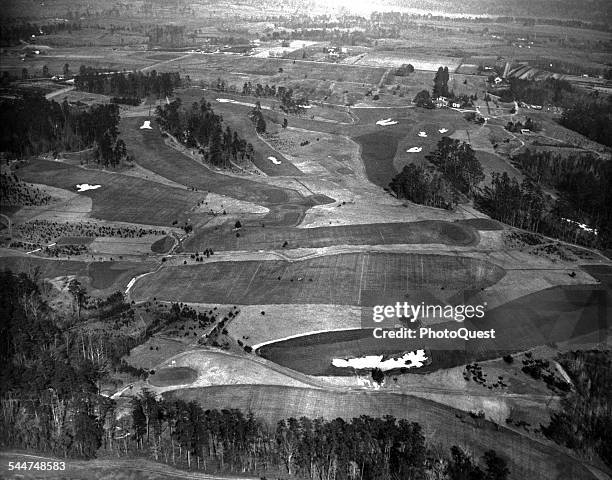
(163,245)
(441,424)
(199,65)
(165,377)
(397,59)
(121,198)
(254,236)
(317,280)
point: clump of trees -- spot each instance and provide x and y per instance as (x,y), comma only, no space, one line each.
(458,164)
(15,192)
(440,85)
(454,171)
(289,104)
(200,127)
(423,99)
(403,71)
(133,85)
(423,186)
(256,116)
(530,125)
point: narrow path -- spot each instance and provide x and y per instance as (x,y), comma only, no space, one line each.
(50,95)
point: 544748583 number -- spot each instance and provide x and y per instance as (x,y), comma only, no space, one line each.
(40,466)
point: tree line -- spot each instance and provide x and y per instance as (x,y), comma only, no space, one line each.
(200,127)
(285,94)
(227,440)
(135,85)
(12,34)
(35,125)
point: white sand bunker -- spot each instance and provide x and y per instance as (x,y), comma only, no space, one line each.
(414,359)
(224,100)
(422,134)
(274,160)
(386,122)
(146,125)
(443,130)
(83,187)
(414,149)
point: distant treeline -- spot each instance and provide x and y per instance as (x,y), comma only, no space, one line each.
(33,125)
(198,126)
(131,84)
(14,34)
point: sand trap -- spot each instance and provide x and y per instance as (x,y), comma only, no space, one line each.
(414,149)
(414,359)
(582,226)
(224,100)
(443,130)
(422,134)
(274,160)
(146,125)
(305,106)
(386,122)
(83,187)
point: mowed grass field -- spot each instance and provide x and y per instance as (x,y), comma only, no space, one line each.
(214,65)
(527,458)
(173,376)
(345,279)
(152,153)
(121,198)
(555,315)
(254,236)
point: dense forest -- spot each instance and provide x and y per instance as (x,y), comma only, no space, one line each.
(200,127)
(592,118)
(584,421)
(33,125)
(127,85)
(585,186)
(518,204)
